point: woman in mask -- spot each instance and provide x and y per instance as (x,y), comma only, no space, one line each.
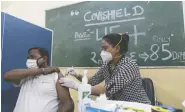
(122,77)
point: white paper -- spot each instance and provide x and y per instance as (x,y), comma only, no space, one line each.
(101,98)
(145,107)
(111,105)
(103,106)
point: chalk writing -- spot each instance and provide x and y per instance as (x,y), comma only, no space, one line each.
(155,49)
(133,56)
(111,15)
(116,21)
(164,50)
(110,28)
(81,36)
(136,34)
(138,10)
(130,56)
(167,53)
(178,55)
(144,56)
(93,58)
(158,39)
(74,13)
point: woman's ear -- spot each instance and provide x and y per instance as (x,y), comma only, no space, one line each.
(118,49)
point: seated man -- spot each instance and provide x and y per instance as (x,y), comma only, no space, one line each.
(40,90)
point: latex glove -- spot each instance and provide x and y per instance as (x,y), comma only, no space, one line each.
(72,72)
(70,83)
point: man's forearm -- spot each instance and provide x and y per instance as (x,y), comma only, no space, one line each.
(18,74)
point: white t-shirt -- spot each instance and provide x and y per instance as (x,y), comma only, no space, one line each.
(38,94)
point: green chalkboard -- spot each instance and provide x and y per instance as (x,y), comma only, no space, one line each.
(156,32)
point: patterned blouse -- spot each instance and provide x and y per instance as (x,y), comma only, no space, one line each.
(124,83)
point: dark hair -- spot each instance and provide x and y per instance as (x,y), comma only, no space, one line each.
(114,39)
(42,51)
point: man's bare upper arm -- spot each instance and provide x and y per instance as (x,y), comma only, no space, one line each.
(63,93)
(66,102)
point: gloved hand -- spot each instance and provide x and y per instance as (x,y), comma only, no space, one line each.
(70,83)
(72,72)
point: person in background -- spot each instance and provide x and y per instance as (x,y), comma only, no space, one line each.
(40,89)
(122,77)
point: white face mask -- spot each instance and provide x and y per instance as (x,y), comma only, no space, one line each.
(106,56)
(31,63)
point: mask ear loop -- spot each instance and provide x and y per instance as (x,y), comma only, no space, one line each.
(126,33)
(118,42)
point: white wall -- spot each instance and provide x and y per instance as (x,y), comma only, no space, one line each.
(32,11)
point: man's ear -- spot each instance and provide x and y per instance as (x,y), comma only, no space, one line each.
(45,58)
(42,60)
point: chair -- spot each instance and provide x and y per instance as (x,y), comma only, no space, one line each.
(149,88)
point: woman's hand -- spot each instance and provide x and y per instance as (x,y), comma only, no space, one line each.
(72,72)
(70,83)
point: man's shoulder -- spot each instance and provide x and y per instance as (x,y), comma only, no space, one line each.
(51,76)
(54,73)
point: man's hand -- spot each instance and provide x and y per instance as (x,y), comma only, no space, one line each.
(49,70)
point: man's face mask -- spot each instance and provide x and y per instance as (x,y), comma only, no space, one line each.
(32,63)
(107,56)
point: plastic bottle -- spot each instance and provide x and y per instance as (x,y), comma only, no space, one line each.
(84,93)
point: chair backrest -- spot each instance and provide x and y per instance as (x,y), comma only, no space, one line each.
(149,88)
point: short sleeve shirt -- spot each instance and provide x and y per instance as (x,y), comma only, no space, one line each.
(38,94)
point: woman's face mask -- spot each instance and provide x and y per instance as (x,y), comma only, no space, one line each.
(107,56)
